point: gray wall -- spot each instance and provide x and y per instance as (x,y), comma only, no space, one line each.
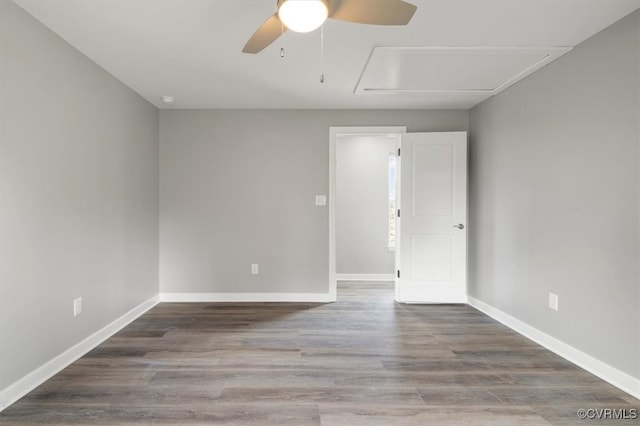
(638,192)
(238,187)
(554,173)
(362,204)
(79,196)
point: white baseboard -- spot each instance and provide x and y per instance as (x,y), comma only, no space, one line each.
(26,384)
(365,277)
(245,297)
(617,378)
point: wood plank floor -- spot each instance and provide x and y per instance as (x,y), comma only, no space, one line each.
(364,360)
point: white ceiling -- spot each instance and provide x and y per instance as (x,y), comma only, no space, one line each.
(191,50)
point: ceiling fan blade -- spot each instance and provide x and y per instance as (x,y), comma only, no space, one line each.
(375,12)
(266,34)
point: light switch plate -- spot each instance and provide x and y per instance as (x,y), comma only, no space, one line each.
(321,200)
(553,301)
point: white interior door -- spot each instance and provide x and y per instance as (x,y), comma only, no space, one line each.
(432,257)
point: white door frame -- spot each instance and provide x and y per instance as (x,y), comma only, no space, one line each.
(334,132)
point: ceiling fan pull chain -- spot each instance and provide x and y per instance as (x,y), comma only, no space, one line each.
(282,40)
(322,54)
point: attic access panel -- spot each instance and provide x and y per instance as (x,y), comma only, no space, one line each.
(473,70)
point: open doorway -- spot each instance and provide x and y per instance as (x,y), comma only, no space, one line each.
(362,206)
(431,236)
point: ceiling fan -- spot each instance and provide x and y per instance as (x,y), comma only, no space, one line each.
(307,15)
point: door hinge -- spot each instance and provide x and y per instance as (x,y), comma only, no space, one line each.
(398,273)
(398,152)
(398,213)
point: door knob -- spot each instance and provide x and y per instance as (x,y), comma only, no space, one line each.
(459,226)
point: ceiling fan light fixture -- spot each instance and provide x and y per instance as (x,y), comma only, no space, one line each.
(303,16)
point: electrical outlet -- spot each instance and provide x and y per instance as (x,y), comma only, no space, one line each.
(553,301)
(77,306)
(254,269)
